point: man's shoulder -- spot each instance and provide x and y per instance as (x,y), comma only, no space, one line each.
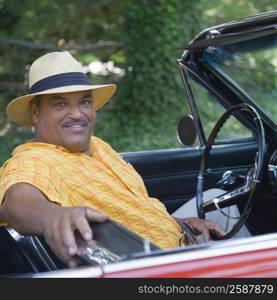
(33,148)
(102,149)
(28,154)
(97,139)
(100,142)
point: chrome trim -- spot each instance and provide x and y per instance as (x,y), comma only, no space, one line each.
(208,250)
(213,33)
(79,272)
(43,255)
(98,256)
(15,235)
(146,246)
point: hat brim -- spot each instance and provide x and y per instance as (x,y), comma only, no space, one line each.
(19,108)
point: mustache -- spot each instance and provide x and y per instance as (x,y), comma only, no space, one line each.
(82,122)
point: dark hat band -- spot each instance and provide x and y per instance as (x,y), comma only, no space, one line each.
(59,80)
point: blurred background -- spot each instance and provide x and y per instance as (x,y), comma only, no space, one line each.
(126,42)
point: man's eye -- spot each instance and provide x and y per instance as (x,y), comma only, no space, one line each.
(86,101)
(60,104)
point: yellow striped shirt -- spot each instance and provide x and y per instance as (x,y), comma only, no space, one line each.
(103,181)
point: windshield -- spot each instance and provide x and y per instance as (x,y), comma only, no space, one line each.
(251,64)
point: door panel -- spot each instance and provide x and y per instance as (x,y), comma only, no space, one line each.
(171,175)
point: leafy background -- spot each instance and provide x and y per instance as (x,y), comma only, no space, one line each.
(132,39)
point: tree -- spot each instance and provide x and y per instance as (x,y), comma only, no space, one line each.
(150,98)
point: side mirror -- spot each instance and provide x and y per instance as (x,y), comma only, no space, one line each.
(186,133)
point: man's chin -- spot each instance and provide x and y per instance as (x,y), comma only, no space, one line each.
(78,147)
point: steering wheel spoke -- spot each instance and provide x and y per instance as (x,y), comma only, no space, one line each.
(227,199)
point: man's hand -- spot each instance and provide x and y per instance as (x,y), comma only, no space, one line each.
(59,226)
(29,212)
(202,226)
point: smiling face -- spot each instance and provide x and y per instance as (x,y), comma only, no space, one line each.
(65,119)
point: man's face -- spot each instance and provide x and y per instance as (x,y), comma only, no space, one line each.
(65,119)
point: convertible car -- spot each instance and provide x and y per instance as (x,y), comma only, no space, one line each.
(229,142)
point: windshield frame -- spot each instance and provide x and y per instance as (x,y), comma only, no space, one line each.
(187,73)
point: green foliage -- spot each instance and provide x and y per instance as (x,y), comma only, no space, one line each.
(150,98)
(216,12)
(75,21)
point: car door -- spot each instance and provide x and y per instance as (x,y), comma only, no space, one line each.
(171,175)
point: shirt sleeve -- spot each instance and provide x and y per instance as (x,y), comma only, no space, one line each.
(31,170)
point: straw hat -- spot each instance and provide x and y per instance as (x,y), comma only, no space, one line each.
(56,72)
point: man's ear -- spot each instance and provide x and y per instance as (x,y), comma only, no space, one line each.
(35,112)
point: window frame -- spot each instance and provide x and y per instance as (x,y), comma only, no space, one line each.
(188,71)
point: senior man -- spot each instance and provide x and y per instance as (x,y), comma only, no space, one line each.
(65,178)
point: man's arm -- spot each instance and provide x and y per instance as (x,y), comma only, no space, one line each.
(29,212)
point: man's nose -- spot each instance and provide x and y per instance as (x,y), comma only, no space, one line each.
(75,111)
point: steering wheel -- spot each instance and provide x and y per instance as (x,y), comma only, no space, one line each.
(253,178)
